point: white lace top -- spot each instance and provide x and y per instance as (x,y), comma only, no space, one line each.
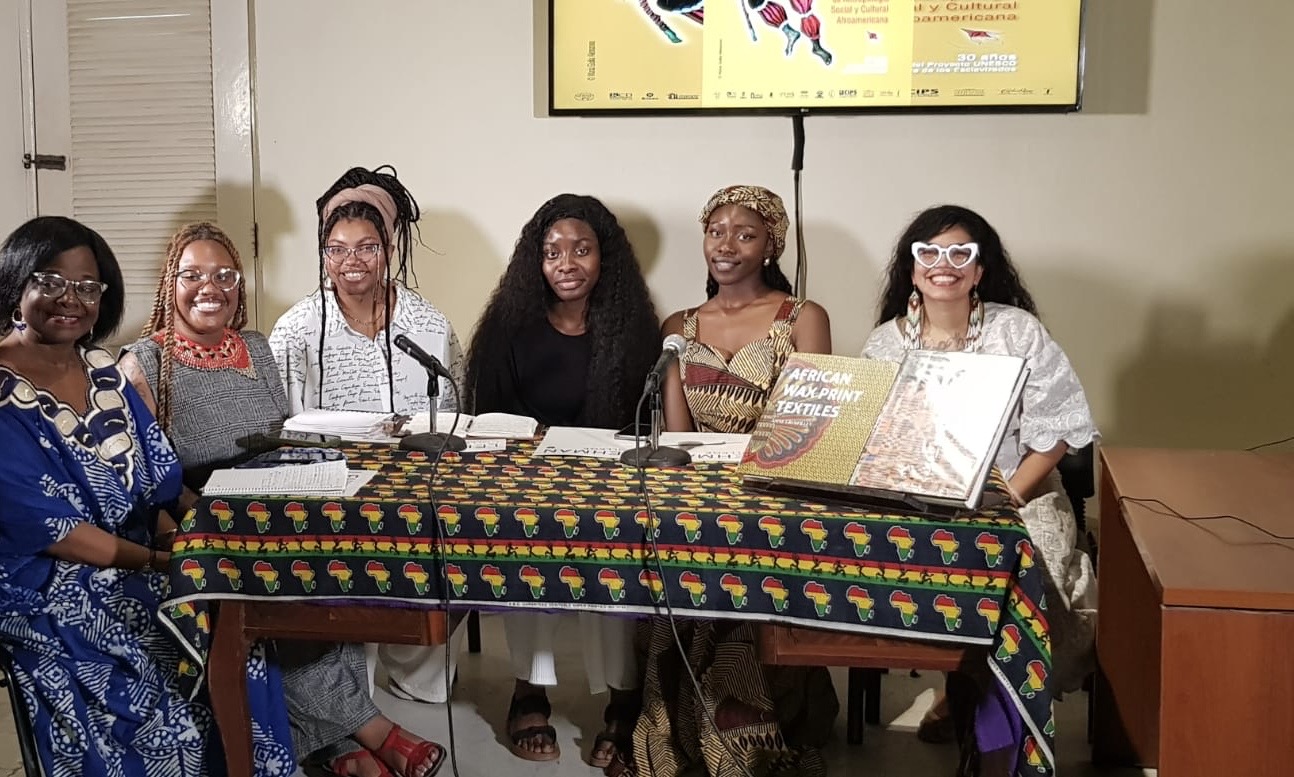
(354,376)
(1053,407)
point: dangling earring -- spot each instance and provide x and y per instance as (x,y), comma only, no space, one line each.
(327,283)
(767,261)
(18,324)
(912,333)
(975,327)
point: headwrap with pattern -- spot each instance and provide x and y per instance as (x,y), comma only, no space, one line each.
(767,204)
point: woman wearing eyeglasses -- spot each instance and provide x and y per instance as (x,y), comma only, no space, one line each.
(952,287)
(216,387)
(334,351)
(334,347)
(86,477)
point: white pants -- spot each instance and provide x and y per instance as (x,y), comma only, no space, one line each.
(609,658)
(416,670)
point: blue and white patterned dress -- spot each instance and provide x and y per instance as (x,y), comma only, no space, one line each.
(100,676)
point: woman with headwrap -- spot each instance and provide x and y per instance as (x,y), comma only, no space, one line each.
(769,719)
(333,348)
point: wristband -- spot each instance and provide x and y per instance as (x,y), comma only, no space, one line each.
(152,559)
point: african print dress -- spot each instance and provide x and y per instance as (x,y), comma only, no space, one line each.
(100,677)
(773,720)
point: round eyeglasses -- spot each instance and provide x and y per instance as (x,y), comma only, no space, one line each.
(51,285)
(365,253)
(225,279)
(958,255)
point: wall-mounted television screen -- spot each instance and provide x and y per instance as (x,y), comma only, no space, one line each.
(829,56)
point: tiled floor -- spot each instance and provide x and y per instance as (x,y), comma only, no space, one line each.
(484,686)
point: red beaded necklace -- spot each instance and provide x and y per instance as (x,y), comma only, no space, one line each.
(230,354)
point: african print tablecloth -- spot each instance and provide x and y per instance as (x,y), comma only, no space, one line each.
(572,534)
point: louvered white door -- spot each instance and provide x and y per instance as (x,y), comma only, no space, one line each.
(124,90)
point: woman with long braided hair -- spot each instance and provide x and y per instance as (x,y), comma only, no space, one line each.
(215,387)
(333,348)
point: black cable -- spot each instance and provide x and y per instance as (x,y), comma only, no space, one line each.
(1145,501)
(1269,444)
(442,542)
(797,164)
(652,523)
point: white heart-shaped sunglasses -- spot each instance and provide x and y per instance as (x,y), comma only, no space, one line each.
(958,255)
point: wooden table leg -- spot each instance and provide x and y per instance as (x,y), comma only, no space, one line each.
(856,697)
(227,670)
(474,632)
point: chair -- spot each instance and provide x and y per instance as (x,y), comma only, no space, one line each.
(1078,477)
(21,723)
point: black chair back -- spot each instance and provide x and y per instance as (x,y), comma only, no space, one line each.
(21,723)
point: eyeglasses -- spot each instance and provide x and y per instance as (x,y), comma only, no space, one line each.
(958,255)
(225,279)
(365,253)
(51,285)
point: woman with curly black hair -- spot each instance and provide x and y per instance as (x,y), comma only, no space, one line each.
(567,338)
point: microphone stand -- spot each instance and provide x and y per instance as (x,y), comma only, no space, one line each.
(652,454)
(431,442)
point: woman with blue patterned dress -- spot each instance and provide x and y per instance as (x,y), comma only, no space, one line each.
(86,476)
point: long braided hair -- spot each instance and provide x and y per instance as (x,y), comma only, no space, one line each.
(407,215)
(161,322)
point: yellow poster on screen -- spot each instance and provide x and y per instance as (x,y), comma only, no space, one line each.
(813,54)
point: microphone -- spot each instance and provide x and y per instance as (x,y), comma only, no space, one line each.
(429,362)
(671,349)
(653,453)
(433,441)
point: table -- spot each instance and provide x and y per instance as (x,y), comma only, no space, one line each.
(554,534)
(1196,619)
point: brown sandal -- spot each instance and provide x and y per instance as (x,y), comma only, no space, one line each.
(621,713)
(532,704)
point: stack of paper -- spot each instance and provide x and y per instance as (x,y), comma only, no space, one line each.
(713,447)
(499,426)
(346,424)
(327,478)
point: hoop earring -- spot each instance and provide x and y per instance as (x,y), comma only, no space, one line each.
(18,324)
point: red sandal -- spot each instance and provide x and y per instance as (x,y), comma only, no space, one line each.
(340,765)
(414,753)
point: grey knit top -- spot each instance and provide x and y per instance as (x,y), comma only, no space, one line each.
(214,412)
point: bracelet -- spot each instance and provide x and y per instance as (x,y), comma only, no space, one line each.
(152,559)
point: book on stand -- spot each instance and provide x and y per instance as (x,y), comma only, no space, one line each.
(921,434)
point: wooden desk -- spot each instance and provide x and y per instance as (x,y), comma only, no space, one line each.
(1196,618)
(241,622)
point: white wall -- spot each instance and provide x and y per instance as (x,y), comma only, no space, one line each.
(1152,227)
(14,186)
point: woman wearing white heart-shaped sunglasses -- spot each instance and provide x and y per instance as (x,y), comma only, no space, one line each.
(951,286)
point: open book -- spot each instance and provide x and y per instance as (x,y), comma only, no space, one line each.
(499,426)
(923,433)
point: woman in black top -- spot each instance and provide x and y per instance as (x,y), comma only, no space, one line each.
(567,338)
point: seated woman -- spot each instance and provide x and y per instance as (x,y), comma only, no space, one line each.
(567,338)
(82,565)
(215,385)
(952,287)
(333,349)
(737,342)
